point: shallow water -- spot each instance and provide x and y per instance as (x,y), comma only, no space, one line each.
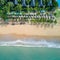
(24,53)
(29,48)
(30,42)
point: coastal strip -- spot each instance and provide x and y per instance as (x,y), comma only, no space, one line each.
(30,31)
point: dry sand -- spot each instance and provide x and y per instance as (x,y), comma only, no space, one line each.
(30,30)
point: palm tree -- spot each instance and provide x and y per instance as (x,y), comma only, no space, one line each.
(28,1)
(19,1)
(36,7)
(1,12)
(3,9)
(10,6)
(18,8)
(4,13)
(2,2)
(55,4)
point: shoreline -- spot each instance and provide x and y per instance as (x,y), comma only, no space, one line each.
(28,36)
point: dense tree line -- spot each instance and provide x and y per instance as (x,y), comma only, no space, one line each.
(7,7)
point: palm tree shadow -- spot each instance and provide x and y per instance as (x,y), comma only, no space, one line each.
(41,25)
(52,25)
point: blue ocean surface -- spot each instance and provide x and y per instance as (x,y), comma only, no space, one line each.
(24,53)
(29,49)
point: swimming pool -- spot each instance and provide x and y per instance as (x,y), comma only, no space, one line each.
(58,2)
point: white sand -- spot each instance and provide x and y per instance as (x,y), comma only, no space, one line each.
(30,30)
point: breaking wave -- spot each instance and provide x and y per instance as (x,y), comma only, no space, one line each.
(31,43)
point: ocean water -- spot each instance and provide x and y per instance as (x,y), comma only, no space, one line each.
(29,49)
(24,53)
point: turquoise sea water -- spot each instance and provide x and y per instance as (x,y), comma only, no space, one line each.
(24,53)
(29,48)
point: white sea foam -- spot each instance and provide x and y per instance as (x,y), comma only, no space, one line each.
(31,43)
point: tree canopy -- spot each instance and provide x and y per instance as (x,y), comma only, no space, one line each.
(8,6)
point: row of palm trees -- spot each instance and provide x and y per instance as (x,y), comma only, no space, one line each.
(34,19)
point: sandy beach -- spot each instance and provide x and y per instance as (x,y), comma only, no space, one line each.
(30,30)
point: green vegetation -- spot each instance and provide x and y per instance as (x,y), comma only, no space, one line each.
(8,7)
(18,7)
(42,20)
(57,13)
